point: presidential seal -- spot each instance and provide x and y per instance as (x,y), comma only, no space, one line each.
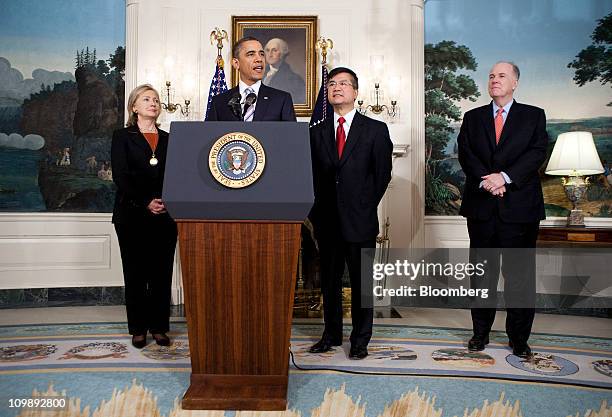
(236,160)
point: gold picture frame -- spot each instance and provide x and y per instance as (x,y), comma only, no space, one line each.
(300,35)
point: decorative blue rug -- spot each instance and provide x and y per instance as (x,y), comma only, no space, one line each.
(411,371)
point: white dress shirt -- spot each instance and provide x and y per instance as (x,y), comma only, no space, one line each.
(347,124)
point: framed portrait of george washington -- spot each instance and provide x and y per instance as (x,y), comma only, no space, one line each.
(289,45)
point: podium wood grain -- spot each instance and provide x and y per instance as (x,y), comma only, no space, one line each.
(239,280)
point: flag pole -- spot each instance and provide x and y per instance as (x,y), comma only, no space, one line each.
(323,44)
(322,107)
(217,84)
(218,35)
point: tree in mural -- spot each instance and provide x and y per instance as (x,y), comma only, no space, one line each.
(116,64)
(111,70)
(595,61)
(117,60)
(444,86)
(102,67)
(85,58)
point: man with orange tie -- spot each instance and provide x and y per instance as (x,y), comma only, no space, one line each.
(351,162)
(501,148)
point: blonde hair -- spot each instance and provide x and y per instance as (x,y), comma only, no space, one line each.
(134,95)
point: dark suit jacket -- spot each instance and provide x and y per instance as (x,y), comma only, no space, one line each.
(272,105)
(348,190)
(520,154)
(137,181)
(287,80)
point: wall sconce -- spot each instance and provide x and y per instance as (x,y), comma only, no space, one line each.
(172,107)
(574,156)
(377,73)
(377,107)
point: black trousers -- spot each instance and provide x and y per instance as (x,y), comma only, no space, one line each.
(510,244)
(334,254)
(147,254)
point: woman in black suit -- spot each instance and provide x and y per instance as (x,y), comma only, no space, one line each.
(146,233)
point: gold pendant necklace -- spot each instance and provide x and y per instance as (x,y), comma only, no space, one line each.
(153,161)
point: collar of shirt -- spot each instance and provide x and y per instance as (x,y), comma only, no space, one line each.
(506,109)
(348,121)
(242,86)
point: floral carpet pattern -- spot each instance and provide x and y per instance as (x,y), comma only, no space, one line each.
(410,371)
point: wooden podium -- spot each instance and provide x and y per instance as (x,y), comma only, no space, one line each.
(239,254)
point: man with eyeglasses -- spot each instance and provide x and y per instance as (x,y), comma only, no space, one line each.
(351,160)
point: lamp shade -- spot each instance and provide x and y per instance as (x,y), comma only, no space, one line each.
(574,154)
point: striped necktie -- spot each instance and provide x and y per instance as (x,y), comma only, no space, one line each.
(248,110)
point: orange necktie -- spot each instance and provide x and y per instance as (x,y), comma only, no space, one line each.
(340,136)
(499,124)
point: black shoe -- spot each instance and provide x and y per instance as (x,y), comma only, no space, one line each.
(522,351)
(358,352)
(161,339)
(323,345)
(139,341)
(477,343)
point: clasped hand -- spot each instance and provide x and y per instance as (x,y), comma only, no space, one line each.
(495,184)
(156,206)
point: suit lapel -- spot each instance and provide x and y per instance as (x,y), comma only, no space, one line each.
(262,103)
(353,137)
(510,123)
(486,117)
(329,139)
(139,139)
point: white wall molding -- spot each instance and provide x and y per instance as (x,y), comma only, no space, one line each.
(445,232)
(451,231)
(417,132)
(50,250)
(43,250)
(131,48)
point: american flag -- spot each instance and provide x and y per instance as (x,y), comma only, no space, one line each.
(322,107)
(217,85)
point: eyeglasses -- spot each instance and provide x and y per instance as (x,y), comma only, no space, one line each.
(343,84)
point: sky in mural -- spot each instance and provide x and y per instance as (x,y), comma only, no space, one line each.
(541,36)
(42,34)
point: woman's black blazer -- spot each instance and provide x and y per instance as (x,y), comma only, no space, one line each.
(138,182)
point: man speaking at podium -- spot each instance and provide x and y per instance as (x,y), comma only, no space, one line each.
(351,164)
(251,101)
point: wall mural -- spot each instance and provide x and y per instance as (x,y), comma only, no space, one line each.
(563,49)
(61,96)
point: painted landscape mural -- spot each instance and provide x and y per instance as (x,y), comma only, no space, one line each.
(61,96)
(564,51)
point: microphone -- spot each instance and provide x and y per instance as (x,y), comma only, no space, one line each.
(234,104)
(248,102)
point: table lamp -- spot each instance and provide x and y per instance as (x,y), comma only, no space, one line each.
(574,157)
